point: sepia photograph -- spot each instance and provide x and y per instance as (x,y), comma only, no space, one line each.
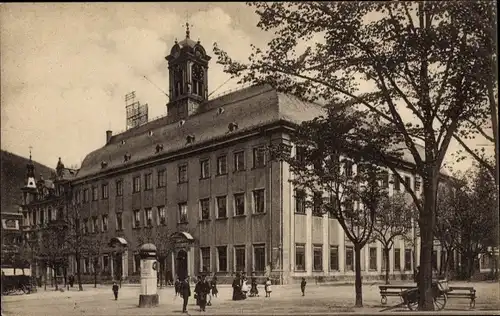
(249,158)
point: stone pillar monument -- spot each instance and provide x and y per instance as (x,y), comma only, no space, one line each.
(149,290)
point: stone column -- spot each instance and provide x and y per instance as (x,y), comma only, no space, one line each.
(308,247)
(341,238)
(190,261)
(326,244)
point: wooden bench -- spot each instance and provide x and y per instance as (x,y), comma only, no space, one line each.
(463,292)
(392,290)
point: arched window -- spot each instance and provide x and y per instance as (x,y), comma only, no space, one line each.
(198,80)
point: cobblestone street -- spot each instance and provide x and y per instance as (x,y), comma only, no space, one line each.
(319,299)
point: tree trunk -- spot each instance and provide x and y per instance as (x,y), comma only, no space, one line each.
(95,278)
(427,223)
(161,272)
(78,271)
(386,258)
(55,278)
(358,285)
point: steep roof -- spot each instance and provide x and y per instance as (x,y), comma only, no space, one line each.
(249,108)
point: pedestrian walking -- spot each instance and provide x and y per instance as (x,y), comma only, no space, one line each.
(115,290)
(253,290)
(202,289)
(268,287)
(303,286)
(213,285)
(177,287)
(185,292)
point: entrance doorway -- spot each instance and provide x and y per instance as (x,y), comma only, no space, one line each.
(118,266)
(181,264)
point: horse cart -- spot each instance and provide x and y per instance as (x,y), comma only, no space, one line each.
(410,295)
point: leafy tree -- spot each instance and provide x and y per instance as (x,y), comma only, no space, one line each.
(318,168)
(422,62)
(94,245)
(160,237)
(393,219)
(52,248)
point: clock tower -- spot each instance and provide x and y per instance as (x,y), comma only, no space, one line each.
(188,79)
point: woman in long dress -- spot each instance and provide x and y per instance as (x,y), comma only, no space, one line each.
(237,288)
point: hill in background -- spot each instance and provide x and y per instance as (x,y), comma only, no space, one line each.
(13,178)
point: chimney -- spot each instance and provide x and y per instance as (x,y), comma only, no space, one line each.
(108,136)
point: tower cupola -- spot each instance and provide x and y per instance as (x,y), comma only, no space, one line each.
(188,77)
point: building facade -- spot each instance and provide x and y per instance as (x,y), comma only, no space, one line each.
(202,177)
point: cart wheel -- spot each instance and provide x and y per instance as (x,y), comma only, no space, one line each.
(440,301)
(383,300)
(413,306)
(472,303)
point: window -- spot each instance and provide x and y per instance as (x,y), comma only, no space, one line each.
(105,192)
(348,168)
(182,174)
(334,258)
(318,258)
(239,161)
(395,178)
(136,182)
(222,165)
(105,223)
(397,259)
(204,169)
(42,216)
(259,257)
(95,225)
(408,182)
(349,258)
(300,202)
(119,188)
(239,258)
(137,219)
(162,218)
(60,213)
(259,157)
(258,201)
(205,259)
(78,196)
(222,258)
(372,265)
(85,195)
(85,226)
(149,217)
(300,257)
(95,195)
(148,181)
(443,259)
(417,184)
(408,260)
(161,178)
(119,222)
(317,204)
(385,179)
(221,207)
(49,216)
(300,153)
(239,204)
(205,209)
(137,263)
(183,213)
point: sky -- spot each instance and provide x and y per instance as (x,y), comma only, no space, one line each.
(65,68)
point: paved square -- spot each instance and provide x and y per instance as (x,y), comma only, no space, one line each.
(325,298)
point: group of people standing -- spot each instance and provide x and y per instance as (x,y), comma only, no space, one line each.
(241,290)
(203,291)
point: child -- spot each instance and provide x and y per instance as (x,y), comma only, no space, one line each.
(115,290)
(268,288)
(303,286)
(244,287)
(254,291)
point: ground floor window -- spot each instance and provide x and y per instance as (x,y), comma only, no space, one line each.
(205,259)
(105,263)
(300,257)
(397,259)
(318,258)
(222,258)
(408,259)
(334,258)
(349,258)
(259,257)
(373,259)
(239,258)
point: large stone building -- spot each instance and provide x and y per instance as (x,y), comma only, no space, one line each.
(202,174)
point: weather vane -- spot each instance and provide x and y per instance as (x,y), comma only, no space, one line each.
(187,25)
(30,148)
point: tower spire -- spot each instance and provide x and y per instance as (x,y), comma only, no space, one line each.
(30,172)
(187,30)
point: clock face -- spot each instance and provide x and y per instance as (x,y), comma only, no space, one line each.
(198,73)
